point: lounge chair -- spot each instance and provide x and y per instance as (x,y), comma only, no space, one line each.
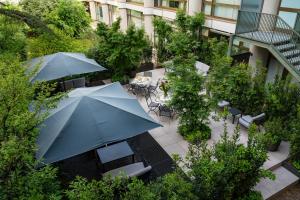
(223,104)
(247,120)
(132,170)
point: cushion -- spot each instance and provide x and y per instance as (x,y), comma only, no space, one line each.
(223,103)
(135,169)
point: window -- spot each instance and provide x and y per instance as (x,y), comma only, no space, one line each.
(288,11)
(136,18)
(227,9)
(136,1)
(174,4)
(99,13)
(114,13)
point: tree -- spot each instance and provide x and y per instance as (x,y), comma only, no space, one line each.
(20,115)
(70,16)
(192,106)
(187,37)
(121,52)
(162,31)
(12,37)
(48,43)
(230,170)
(40,8)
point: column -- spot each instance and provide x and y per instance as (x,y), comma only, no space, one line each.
(258,54)
(148,17)
(105,12)
(194,6)
(92,6)
(123,15)
(271,6)
(261,54)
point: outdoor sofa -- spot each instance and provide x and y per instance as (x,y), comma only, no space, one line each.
(132,170)
(247,120)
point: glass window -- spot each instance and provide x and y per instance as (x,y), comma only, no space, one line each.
(227,9)
(291,4)
(136,18)
(136,1)
(181,4)
(225,12)
(288,17)
(99,13)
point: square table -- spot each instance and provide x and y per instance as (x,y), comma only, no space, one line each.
(234,112)
(115,152)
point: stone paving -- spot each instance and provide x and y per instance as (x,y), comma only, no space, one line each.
(173,143)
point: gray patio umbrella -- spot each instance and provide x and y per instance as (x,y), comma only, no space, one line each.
(89,118)
(62,64)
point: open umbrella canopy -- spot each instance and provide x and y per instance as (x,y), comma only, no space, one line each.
(89,118)
(62,64)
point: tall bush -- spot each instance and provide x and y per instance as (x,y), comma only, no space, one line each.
(230,170)
(121,52)
(192,106)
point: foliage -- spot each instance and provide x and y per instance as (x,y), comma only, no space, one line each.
(163,31)
(121,52)
(187,37)
(20,115)
(48,43)
(230,170)
(12,37)
(282,99)
(173,186)
(70,16)
(274,131)
(238,84)
(32,21)
(191,105)
(107,189)
(40,8)
(295,138)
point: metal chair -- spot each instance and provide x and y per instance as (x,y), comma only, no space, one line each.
(165,111)
(153,88)
(153,106)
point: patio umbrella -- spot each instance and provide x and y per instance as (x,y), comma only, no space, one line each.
(62,64)
(89,118)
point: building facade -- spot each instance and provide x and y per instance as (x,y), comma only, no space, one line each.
(229,18)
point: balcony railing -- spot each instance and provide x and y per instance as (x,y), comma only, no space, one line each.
(272,30)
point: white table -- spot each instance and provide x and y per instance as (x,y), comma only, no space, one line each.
(142,81)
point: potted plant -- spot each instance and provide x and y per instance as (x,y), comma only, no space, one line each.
(273,133)
(164,86)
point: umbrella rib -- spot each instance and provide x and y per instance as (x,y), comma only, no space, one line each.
(129,111)
(87,60)
(50,145)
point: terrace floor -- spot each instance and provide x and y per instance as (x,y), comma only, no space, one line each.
(173,143)
(144,147)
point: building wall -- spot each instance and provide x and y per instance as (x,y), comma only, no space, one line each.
(149,10)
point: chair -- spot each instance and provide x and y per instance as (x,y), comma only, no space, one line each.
(79,82)
(68,85)
(153,106)
(165,111)
(148,74)
(222,104)
(153,88)
(247,120)
(132,170)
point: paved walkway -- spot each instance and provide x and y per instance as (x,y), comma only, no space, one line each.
(173,143)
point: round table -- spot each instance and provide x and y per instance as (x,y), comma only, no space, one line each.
(142,81)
